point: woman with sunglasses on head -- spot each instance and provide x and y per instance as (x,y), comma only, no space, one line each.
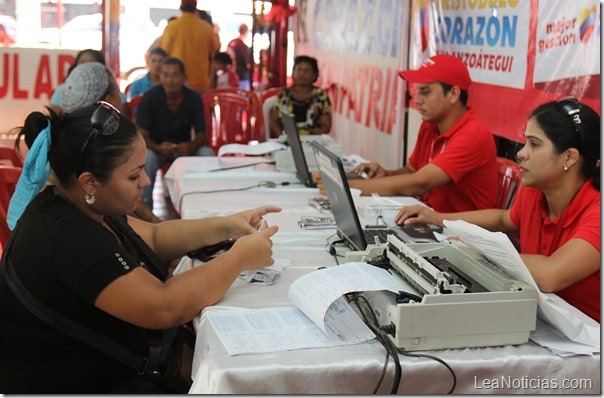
(74,250)
(557,209)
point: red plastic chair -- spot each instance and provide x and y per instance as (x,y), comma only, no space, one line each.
(133,103)
(509,180)
(256,119)
(232,116)
(10,157)
(9,176)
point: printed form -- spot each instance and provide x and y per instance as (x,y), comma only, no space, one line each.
(321,317)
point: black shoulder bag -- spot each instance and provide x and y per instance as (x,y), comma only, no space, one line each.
(177,343)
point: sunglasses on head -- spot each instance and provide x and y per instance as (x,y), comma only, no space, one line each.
(105,120)
(571,107)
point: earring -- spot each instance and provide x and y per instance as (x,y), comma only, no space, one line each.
(90,199)
(565,168)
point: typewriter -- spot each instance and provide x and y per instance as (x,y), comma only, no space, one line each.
(454,298)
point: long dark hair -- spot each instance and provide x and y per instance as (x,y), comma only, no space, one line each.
(69,132)
(98,57)
(559,127)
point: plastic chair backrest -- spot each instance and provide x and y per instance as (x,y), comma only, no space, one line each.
(509,178)
(127,89)
(232,116)
(10,157)
(268,93)
(9,175)
(134,102)
(268,104)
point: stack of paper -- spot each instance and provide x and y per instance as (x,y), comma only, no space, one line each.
(497,247)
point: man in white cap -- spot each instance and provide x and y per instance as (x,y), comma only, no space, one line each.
(453,166)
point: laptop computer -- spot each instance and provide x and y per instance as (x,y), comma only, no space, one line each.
(345,213)
(293,138)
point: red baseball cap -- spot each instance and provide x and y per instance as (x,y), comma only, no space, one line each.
(188,2)
(441,68)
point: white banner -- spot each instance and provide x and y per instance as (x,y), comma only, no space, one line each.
(570,31)
(360,46)
(28,77)
(489,36)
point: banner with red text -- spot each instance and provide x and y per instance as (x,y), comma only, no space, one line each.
(28,77)
(519,53)
(360,46)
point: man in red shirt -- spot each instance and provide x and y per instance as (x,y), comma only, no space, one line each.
(240,53)
(453,166)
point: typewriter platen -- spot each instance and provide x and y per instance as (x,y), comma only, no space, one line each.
(455,299)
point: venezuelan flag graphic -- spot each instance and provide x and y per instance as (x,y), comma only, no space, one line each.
(587,22)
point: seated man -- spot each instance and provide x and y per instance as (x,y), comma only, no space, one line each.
(153,60)
(167,115)
(453,166)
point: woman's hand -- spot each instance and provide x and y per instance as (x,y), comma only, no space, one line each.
(373,170)
(247,222)
(418,214)
(254,250)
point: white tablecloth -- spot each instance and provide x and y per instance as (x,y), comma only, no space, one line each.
(356,369)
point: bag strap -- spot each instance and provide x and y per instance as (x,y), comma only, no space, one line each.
(63,324)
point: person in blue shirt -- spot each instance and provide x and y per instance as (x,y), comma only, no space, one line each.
(154,58)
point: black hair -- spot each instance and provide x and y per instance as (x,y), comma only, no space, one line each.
(224,58)
(174,61)
(205,16)
(69,131)
(463,94)
(559,127)
(98,57)
(309,60)
(158,51)
(189,7)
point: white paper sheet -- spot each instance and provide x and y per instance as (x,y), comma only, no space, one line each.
(321,318)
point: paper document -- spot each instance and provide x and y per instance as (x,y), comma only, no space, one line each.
(497,247)
(255,149)
(321,316)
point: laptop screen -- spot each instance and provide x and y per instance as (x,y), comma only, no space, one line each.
(293,138)
(340,199)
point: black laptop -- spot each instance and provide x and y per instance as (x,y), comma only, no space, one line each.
(345,213)
(293,138)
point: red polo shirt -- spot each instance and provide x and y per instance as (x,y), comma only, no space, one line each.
(466,152)
(540,235)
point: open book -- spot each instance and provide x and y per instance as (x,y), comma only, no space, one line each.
(497,247)
(321,317)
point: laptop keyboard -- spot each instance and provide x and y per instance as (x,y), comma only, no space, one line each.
(370,235)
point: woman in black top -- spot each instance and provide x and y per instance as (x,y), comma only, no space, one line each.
(68,253)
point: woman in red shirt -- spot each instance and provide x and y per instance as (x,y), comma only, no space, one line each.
(557,209)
